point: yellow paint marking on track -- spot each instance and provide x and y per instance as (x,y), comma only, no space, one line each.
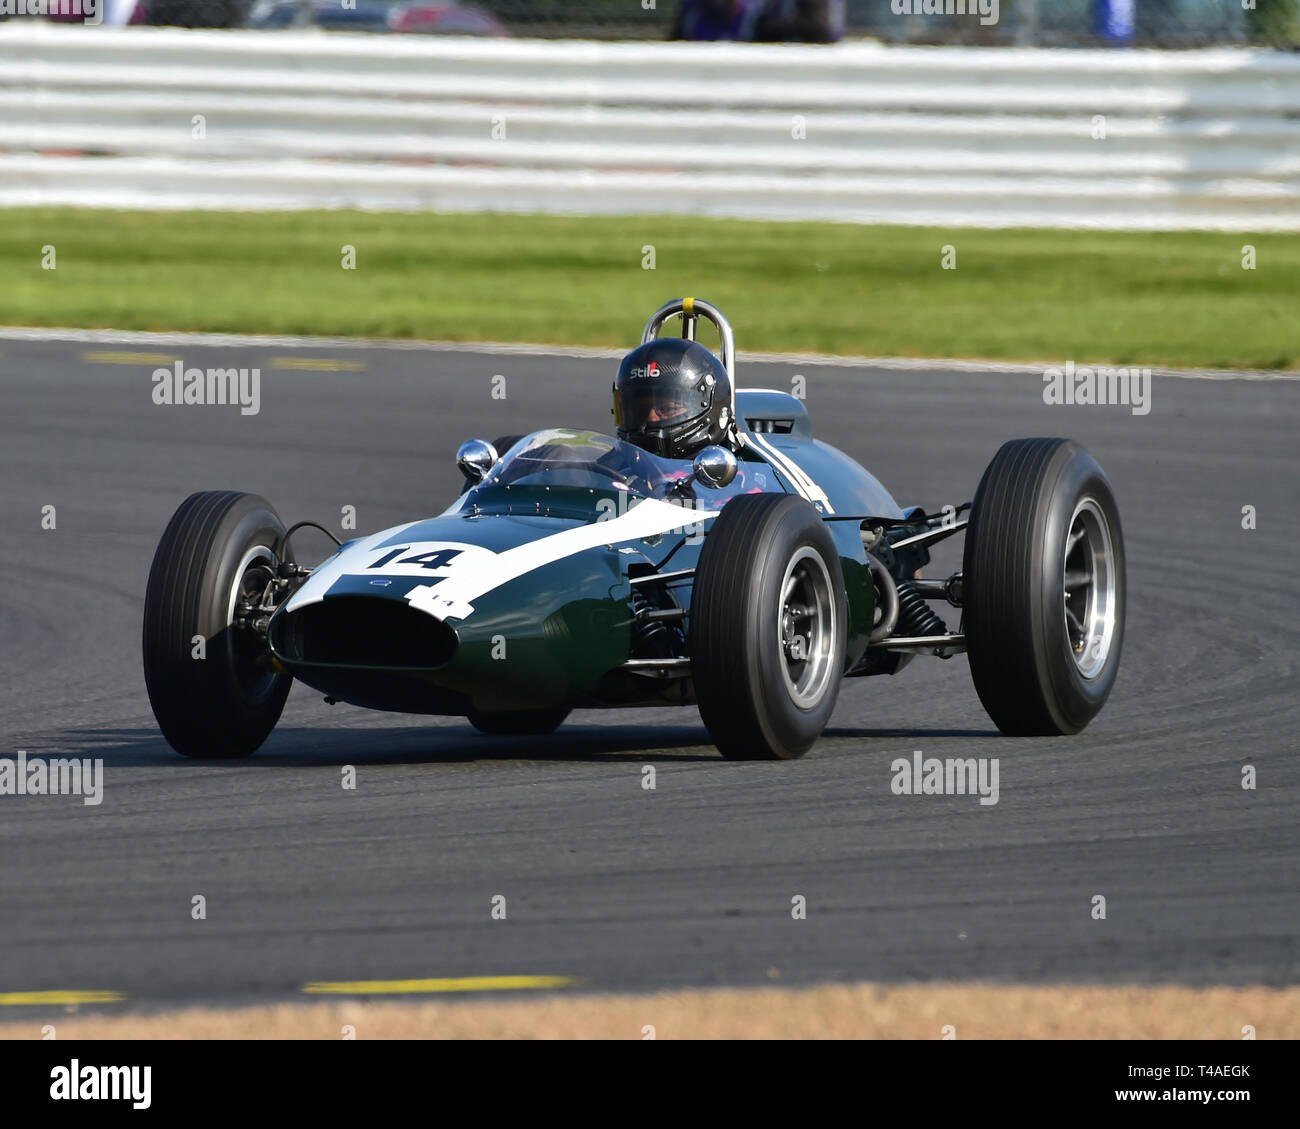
(35,999)
(452,984)
(112,357)
(317,364)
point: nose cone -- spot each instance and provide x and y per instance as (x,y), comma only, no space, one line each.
(545,638)
(368,628)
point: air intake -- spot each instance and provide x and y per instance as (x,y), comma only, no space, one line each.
(777,426)
(362,631)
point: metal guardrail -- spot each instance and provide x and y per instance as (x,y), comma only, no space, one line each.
(162,118)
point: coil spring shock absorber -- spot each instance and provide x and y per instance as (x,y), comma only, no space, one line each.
(914,614)
(653,638)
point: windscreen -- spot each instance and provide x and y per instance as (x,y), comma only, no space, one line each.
(567,457)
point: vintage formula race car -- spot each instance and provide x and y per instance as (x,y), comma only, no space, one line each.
(577,570)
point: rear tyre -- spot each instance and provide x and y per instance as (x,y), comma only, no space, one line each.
(218,549)
(1043,577)
(519,723)
(769,624)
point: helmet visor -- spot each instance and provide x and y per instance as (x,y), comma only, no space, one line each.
(650,398)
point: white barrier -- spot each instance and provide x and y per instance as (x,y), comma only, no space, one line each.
(162,118)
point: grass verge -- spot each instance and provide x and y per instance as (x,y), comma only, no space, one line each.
(1095,297)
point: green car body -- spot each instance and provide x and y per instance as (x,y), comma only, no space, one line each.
(535,589)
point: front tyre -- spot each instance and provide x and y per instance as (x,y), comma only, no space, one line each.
(769,625)
(215,695)
(1044,583)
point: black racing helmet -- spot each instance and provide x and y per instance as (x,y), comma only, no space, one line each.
(672,397)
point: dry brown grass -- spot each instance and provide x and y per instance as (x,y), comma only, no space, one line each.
(861,1011)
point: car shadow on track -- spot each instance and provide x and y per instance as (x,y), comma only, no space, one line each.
(898,733)
(305,748)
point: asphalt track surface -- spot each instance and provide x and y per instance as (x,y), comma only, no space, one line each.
(616,886)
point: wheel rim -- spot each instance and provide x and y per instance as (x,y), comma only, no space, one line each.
(805,623)
(256,683)
(1090,589)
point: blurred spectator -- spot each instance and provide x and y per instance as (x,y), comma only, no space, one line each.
(197,13)
(432,18)
(118,13)
(800,21)
(716,19)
